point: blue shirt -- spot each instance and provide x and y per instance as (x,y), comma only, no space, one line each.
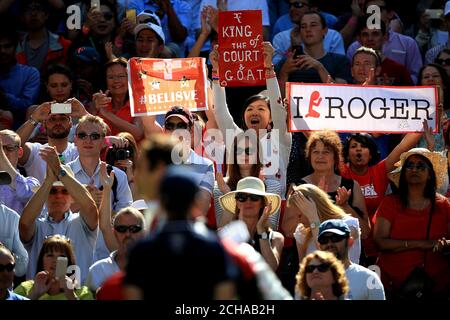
(18,198)
(284,22)
(10,295)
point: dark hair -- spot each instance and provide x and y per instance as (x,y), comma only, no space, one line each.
(58,69)
(23,5)
(234,174)
(323,22)
(445,50)
(366,141)
(6,32)
(120,61)
(362,24)
(445,80)
(157,150)
(56,243)
(430,186)
(250,100)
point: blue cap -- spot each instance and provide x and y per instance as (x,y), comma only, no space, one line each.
(336,226)
(87,54)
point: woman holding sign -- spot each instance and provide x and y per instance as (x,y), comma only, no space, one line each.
(264,114)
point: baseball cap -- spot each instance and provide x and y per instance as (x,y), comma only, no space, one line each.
(336,226)
(181,113)
(87,54)
(149,20)
(5,178)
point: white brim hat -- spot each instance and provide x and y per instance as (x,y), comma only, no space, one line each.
(438,161)
(250,185)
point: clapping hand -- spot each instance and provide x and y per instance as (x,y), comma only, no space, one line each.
(263,223)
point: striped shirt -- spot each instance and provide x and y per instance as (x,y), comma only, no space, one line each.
(432,54)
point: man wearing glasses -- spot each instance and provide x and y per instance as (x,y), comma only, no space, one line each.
(180,122)
(7,267)
(128,227)
(89,141)
(334,236)
(59,190)
(286,40)
(16,194)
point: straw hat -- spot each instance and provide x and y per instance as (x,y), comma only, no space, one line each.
(438,161)
(249,185)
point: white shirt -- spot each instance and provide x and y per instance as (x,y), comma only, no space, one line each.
(36,167)
(102,270)
(202,170)
(9,236)
(364,284)
(72,226)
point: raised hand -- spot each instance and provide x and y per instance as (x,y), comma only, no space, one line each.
(101,100)
(323,184)
(105,179)
(214,58)
(428,135)
(306,206)
(205,25)
(49,155)
(223,186)
(42,283)
(342,196)
(268,54)
(42,111)
(78,109)
(263,223)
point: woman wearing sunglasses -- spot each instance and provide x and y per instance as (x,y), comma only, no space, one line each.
(45,285)
(412,227)
(243,162)
(266,115)
(321,277)
(252,204)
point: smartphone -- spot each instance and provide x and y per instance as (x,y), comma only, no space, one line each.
(434,13)
(61,268)
(95,4)
(131,15)
(298,51)
(61,108)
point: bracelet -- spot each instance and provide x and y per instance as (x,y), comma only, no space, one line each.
(32,121)
(215,77)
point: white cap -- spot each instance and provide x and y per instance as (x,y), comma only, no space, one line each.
(157,29)
(139,204)
(447,8)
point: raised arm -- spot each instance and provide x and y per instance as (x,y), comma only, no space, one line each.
(88,209)
(105,208)
(39,115)
(27,222)
(222,114)
(408,142)
(151,126)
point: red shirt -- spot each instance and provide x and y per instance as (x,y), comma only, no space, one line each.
(409,224)
(112,288)
(123,113)
(397,71)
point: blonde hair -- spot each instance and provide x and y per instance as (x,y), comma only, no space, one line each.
(340,286)
(13,135)
(94,120)
(326,209)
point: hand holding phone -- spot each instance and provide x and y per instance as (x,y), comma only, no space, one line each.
(131,15)
(65,108)
(61,268)
(298,51)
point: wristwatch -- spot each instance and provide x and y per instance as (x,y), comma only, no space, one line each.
(62,173)
(264,235)
(32,121)
(314,225)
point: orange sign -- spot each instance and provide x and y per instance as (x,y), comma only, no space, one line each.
(156,85)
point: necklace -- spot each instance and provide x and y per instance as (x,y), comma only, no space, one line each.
(424,204)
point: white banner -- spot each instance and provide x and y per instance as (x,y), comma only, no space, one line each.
(351,108)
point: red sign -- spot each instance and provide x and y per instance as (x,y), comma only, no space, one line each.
(156,85)
(241,59)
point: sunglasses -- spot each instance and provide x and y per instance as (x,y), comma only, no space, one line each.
(8,267)
(323,267)
(56,191)
(421,166)
(134,228)
(248,151)
(93,136)
(298,4)
(172,126)
(242,197)
(444,62)
(10,147)
(335,238)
